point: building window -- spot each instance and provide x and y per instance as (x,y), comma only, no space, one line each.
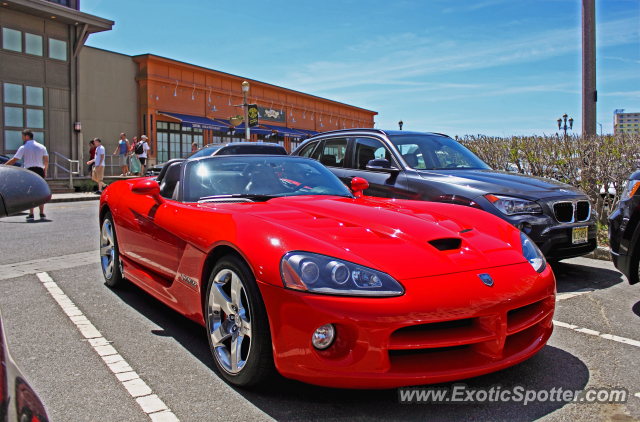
(57,49)
(187,140)
(12,40)
(23,107)
(33,44)
(169,141)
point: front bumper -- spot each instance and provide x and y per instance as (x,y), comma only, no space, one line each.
(444,328)
(553,238)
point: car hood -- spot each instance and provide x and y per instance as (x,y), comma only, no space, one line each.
(391,237)
(502,183)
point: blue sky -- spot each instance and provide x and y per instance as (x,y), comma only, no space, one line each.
(493,67)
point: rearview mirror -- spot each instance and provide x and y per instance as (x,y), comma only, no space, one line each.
(21,190)
(381,164)
(149,188)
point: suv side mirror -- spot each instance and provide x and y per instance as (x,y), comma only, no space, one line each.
(381,164)
(148,187)
(20,190)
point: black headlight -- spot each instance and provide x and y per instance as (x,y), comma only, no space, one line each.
(317,273)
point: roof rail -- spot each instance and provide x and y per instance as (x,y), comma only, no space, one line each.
(352,130)
(441,134)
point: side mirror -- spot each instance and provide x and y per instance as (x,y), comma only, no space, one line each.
(20,190)
(149,188)
(381,164)
(358,184)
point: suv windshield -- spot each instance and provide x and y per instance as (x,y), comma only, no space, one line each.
(205,152)
(425,152)
(258,176)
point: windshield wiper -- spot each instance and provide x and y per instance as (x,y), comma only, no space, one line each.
(255,196)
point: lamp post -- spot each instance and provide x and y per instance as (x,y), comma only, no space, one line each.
(600,124)
(245,92)
(565,127)
(400,124)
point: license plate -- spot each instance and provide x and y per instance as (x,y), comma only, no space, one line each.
(580,235)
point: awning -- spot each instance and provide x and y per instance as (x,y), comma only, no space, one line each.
(240,128)
(308,132)
(285,131)
(197,122)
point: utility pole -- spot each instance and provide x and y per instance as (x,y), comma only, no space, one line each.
(589,93)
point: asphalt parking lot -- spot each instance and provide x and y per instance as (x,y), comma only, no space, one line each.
(595,344)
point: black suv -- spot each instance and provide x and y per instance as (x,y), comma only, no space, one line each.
(624,231)
(233,148)
(434,167)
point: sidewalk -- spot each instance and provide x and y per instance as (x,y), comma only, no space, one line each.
(73,197)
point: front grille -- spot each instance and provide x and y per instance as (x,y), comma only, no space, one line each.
(582,210)
(563,212)
(454,345)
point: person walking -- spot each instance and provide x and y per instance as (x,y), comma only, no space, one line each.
(36,159)
(135,162)
(123,150)
(98,171)
(92,154)
(194,147)
(141,152)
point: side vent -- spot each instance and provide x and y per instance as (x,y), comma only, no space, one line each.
(446,244)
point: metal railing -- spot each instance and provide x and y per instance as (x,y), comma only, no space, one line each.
(57,166)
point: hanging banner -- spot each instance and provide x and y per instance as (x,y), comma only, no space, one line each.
(272,115)
(253,115)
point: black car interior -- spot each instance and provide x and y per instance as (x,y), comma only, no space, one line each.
(169,178)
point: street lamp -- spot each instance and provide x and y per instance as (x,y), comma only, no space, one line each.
(400,124)
(565,127)
(600,124)
(245,91)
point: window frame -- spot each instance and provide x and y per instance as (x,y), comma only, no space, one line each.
(352,160)
(324,143)
(24,107)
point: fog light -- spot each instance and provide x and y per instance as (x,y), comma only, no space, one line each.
(323,337)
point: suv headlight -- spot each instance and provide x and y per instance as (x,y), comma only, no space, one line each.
(317,273)
(511,206)
(630,189)
(532,253)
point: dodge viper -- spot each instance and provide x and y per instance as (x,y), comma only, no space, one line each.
(290,270)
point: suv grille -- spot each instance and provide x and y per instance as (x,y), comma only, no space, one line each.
(582,211)
(563,212)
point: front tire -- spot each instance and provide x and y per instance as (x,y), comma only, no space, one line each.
(110,253)
(238,325)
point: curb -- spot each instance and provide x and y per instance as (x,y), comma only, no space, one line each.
(601,253)
(77,199)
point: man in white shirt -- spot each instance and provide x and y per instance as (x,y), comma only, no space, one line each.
(36,159)
(98,169)
(143,157)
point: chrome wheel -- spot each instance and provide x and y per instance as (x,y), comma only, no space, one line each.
(229,321)
(107,249)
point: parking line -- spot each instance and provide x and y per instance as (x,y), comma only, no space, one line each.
(623,340)
(150,403)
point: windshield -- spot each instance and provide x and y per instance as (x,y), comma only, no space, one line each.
(266,176)
(205,152)
(425,152)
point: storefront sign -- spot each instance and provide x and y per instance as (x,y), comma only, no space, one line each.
(205,126)
(253,115)
(271,115)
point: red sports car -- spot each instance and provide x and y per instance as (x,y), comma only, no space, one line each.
(290,270)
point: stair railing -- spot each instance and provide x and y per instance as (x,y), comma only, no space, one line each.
(56,166)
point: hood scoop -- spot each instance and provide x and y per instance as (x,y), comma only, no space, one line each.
(446,244)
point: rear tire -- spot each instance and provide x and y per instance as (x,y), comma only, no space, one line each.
(238,325)
(110,253)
